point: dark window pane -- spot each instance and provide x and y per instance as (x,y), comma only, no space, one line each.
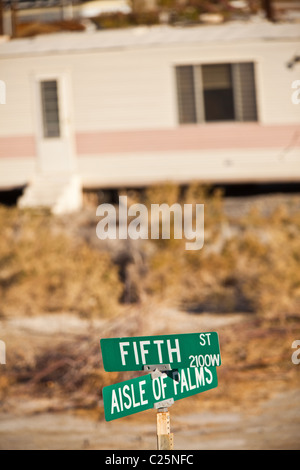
(218,92)
(219,105)
(50,111)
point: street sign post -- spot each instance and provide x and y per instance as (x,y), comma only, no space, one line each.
(143,393)
(180,365)
(174,351)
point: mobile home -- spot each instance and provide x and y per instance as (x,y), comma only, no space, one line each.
(140,106)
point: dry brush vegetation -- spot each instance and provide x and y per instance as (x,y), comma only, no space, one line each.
(249,263)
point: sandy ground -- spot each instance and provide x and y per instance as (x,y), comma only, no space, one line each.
(256,405)
(277,426)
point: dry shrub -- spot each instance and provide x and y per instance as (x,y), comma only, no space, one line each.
(175,275)
(43,270)
(249,264)
(125,20)
(30,29)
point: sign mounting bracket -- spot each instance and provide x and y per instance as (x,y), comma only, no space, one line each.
(157,369)
(162,406)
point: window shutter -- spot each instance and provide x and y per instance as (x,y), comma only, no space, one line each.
(244,91)
(186,94)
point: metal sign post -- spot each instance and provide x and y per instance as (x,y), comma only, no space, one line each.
(165,439)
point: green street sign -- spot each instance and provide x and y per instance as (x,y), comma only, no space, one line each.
(178,351)
(133,396)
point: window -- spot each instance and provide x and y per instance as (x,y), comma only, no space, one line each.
(216,92)
(50,109)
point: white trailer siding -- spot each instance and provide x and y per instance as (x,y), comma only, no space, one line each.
(123,112)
